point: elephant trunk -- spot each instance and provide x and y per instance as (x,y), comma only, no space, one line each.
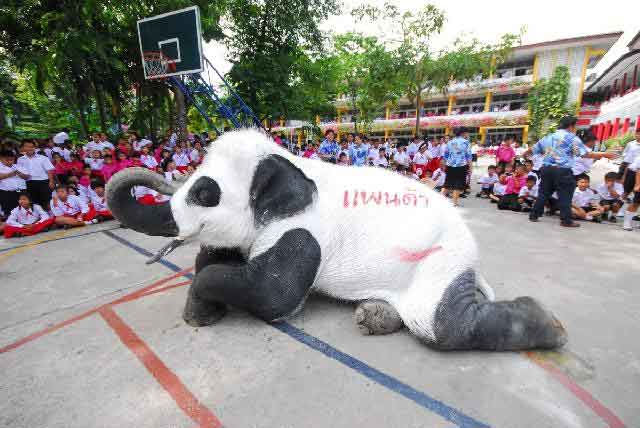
(156,220)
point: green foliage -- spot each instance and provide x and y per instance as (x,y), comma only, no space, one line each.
(268,41)
(619,143)
(367,75)
(419,68)
(548,103)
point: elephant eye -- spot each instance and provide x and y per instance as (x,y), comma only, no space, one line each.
(204,192)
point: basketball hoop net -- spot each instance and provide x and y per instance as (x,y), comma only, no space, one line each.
(157,65)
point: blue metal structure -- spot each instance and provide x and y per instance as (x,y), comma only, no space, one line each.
(199,90)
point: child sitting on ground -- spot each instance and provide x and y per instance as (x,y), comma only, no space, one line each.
(611,193)
(95,163)
(26,219)
(70,210)
(147,159)
(498,189)
(99,201)
(584,203)
(343,159)
(528,194)
(517,181)
(487,182)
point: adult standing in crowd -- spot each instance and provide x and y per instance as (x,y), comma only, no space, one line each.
(560,150)
(457,156)
(11,181)
(629,155)
(41,179)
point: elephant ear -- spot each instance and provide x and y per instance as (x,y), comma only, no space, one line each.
(279,189)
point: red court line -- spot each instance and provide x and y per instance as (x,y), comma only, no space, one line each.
(165,377)
(84,315)
(583,395)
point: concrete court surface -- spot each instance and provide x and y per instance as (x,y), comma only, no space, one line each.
(134,363)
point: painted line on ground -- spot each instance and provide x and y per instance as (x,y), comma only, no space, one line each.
(391,383)
(582,394)
(2,250)
(25,247)
(163,375)
(58,326)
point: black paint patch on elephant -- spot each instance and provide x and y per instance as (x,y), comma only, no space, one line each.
(279,189)
(272,285)
(465,319)
(205,192)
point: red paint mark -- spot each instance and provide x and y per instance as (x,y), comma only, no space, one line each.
(345,202)
(165,377)
(416,256)
(58,326)
(582,394)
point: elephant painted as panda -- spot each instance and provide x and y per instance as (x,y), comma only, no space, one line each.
(274,227)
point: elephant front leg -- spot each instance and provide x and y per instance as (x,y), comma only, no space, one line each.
(199,312)
(272,285)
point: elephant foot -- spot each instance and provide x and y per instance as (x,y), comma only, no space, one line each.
(376,317)
(201,313)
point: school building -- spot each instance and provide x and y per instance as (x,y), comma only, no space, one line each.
(491,108)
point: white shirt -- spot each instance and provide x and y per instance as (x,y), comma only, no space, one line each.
(91,146)
(499,189)
(107,145)
(381,161)
(181,159)
(412,149)
(438,177)
(421,158)
(65,153)
(635,165)
(94,164)
(488,180)
(373,154)
(149,161)
(73,206)
(583,198)
(434,150)
(139,144)
(401,158)
(20,216)
(14,182)
(195,156)
(525,192)
(604,193)
(474,149)
(631,151)
(582,164)
(60,137)
(99,202)
(37,166)
(85,193)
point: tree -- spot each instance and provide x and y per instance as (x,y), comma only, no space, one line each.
(548,103)
(366,75)
(265,40)
(420,67)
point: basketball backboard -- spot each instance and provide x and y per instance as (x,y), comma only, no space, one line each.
(171,43)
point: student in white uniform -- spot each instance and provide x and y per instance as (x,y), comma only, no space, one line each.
(41,174)
(499,189)
(12,181)
(633,170)
(610,193)
(439,176)
(381,161)
(147,159)
(421,158)
(584,204)
(181,159)
(137,145)
(412,148)
(401,158)
(99,202)
(61,137)
(528,194)
(630,153)
(70,210)
(487,182)
(26,219)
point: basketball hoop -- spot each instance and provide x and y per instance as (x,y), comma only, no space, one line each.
(157,65)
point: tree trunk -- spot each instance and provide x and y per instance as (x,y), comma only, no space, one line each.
(101,110)
(181,115)
(3,119)
(418,102)
(116,109)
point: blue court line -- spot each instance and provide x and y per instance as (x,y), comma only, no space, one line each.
(438,407)
(2,250)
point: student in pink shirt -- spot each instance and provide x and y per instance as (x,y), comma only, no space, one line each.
(514,183)
(123,162)
(505,153)
(109,167)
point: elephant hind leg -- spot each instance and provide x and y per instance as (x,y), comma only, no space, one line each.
(377,317)
(465,319)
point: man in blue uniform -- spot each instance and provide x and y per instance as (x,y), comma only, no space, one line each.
(560,150)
